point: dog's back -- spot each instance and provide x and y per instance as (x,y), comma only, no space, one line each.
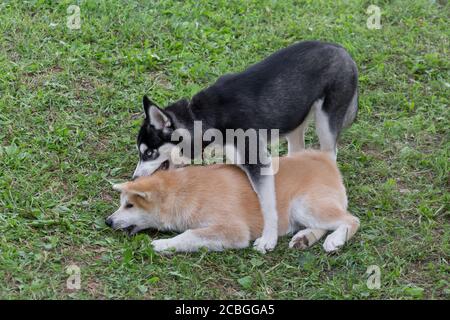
(278,92)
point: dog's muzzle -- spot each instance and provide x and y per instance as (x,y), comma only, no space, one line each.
(143,170)
(109,222)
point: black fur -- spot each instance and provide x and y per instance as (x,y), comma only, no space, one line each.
(276,93)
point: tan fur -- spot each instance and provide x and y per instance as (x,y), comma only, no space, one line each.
(217,203)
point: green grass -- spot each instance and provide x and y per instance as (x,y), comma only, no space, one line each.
(70,110)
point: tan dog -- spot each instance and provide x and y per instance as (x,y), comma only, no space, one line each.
(215,206)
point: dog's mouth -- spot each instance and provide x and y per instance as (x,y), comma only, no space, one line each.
(164,165)
(131,229)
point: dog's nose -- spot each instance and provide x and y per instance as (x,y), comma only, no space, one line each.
(109,222)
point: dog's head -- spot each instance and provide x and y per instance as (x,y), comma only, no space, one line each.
(138,207)
(154,140)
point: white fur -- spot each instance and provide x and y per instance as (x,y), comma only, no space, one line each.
(146,168)
(327,138)
(143,147)
(336,239)
(125,217)
(267,199)
(157,118)
(188,241)
(341,235)
(296,138)
(192,240)
(300,215)
(312,236)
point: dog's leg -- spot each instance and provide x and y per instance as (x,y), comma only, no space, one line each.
(306,238)
(214,238)
(296,138)
(260,172)
(326,136)
(337,111)
(346,229)
(319,215)
(264,186)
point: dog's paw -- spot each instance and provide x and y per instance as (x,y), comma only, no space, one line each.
(265,244)
(161,245)
(299,242)
(332,244)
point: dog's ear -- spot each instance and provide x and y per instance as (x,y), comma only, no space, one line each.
(158,118)
(154,115)
(121,186)
(128,187)
(146,104)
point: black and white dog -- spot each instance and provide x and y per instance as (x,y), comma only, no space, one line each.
(279,92)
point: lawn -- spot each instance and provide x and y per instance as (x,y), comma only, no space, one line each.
(70,109)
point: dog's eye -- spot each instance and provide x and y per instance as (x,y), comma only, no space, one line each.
(128,206)
(151,154)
